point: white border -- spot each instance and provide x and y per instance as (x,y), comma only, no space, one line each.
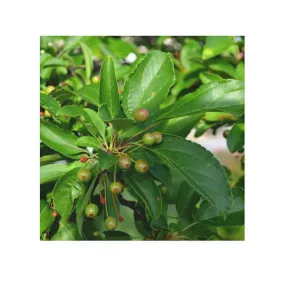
(26,260)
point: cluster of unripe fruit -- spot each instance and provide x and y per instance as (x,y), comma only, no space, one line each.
(92,210)
(124,162)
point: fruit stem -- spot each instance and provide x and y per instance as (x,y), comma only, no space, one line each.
(115,170)
(133,149)
(105,188)
(116,208)
(188,227)
(139,133)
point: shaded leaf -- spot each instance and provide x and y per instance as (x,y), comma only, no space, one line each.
(211,215)
(67,231)
(235,139)
(144,186)
(106,160)
(90,93)
(199,168)
(70,110)
(46,218)
(108,87)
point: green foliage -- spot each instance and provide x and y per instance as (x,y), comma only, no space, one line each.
(119,118)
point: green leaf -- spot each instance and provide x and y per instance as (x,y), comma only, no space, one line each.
(224,96)
(235,139)
(84,202)
(121,123)
(108,87)
(210,215)
(72,42)
(240,71)
(186,199)
(93,117)
(116,235)
(58,139)
(62,93)
(106,160)
(180,126)
(88,141)
(144,186)
(223,66)
(67,231)
(190,53)
(44,58)
(54,62)
(52,172)
(70,110)
(207,77)
(66,189)
(104,113)
(149,84)
(46,218)
(49,103)
(90,93)
(199,168)
(215,45)
(87,59)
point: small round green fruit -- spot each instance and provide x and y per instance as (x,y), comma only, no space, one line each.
(157,137)
(124,162)
(111,223)
(91,210)
(116,187)
(84,175)
(148,139)
(141,166)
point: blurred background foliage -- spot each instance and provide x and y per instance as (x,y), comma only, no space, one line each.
(70,66)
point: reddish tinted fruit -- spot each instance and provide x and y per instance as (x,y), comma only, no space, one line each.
(148,139)
(141,115)
(84,175)
(102,200)
(141,166)
(84,159)
(157,137)
(54,213)
(124,162)
(121,219)
(116,187)
(91,210)
(42,114)
(111,223)
(226,133)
